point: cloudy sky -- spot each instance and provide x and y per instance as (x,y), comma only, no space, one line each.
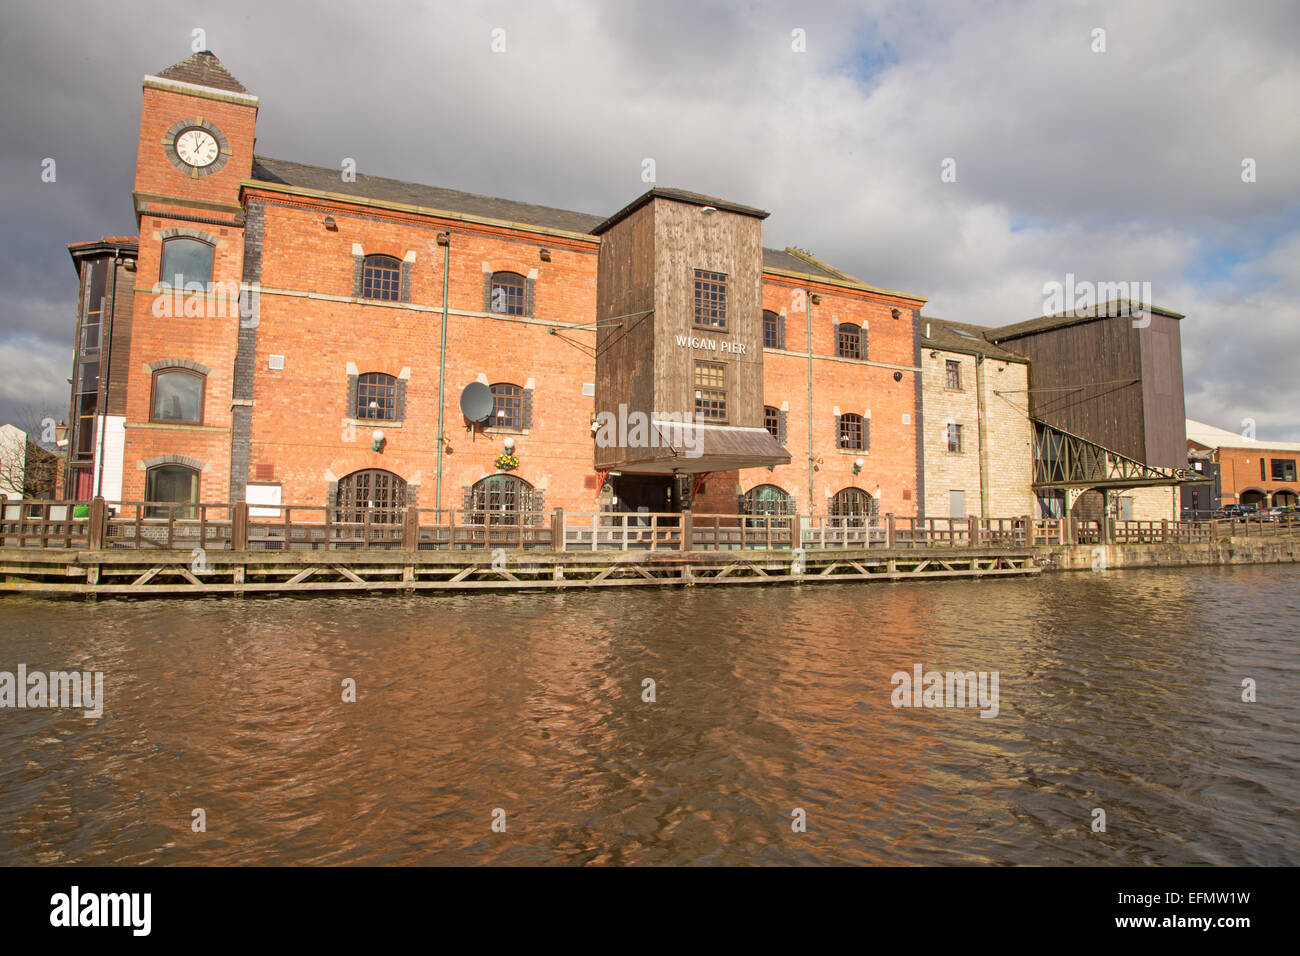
(1122,165)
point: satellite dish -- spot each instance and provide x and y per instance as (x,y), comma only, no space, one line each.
(476,401)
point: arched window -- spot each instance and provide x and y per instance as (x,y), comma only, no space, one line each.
(851,433)
(852,505)
(382,494)
(499,499)
(184,261)
(377,397)
(507,406)
(773,330)
(772,421)
(381,278)
(509,294)
(848,340)
(171,483)
(177,396)
(768,500)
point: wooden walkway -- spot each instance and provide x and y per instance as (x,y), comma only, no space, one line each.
(54,572)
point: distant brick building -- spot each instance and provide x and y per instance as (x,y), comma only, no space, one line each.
(1255,473)
(284,333)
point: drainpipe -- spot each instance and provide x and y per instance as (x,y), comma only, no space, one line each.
(808,325)
(442,364)
(983,436)
(106,358)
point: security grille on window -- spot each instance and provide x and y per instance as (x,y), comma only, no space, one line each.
(377,396)
(848,341)
(772,421)
(710,391)
(507,406)
(850,433)
(509,293)
(953,372)
(954,438)
(381,278)
(710,299)
(501,499)
(772,331)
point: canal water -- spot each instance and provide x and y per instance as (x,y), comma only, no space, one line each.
(1119,691)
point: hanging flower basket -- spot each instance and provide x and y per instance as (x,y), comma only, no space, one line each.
(507,462)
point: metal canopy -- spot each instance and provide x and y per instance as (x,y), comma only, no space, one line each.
(1063,460)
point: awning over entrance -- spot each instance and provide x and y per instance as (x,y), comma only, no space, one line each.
(691,448)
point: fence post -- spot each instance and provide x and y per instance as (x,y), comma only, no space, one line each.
(557,530)
(796,539)
(973,523)
(411,529)
(889,530)
(687,530)
(97,519)
(239,526)
(1164,530)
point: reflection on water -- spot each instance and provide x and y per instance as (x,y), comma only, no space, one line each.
(1119,690)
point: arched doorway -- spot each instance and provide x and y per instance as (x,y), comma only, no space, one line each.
(500,499)
(1253,498)
(381,494)
(851,507)
(768,500)
(1285,498)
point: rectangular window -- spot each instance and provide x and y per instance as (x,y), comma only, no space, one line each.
(848,341)
(710,391)
(710,299)
(954,439)
(1284,469)
(771,330)
(1125,508)
(952,371)
(956,504)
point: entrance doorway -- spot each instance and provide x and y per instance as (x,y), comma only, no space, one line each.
(649,493)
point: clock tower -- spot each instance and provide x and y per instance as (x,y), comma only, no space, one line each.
(197,128)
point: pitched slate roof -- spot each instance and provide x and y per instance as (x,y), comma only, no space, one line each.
(963,337)
(680,195)
(1102,310)
(326,179)
(203,69)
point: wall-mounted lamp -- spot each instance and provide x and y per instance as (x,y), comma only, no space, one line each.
(330,224)
(61,432)
(546,255)
(895,313)
(443,238)
(816,300)
(934,355)
(898,376)
(857,465)
(377,440)
(510,443)
(708,210)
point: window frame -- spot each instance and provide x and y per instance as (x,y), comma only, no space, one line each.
(189,509)
(153,395)
(1286,473)
(772,421)
(710,286)
(959,443)
(775,319)
(844,332)
(717,393)
(952,375)
(849,420)
(370,276)
(494,284)
(361,408)
(513,400)
(185,280)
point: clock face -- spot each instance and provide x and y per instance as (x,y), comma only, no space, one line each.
(197,147)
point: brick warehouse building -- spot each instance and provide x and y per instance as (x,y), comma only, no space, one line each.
(327,381)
